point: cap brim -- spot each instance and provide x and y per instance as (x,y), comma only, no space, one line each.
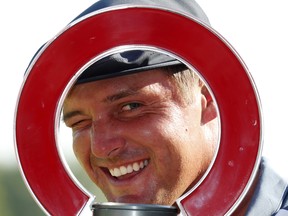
(126,63)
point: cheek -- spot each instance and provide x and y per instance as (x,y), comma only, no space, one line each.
(164,136)
(81,147)
(184,140)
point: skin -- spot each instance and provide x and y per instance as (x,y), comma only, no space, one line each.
(127,119)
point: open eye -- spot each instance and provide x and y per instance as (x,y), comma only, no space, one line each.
(130,106)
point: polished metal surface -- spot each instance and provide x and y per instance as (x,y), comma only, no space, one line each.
(121,209)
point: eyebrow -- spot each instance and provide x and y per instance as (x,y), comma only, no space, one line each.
(108,99)
(120,95)
(69,115)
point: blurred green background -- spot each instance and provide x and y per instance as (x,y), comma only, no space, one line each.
(15,199)
(14,196)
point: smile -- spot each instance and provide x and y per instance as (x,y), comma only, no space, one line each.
(123,170)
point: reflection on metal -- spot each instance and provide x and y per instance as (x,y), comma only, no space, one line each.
(66,56)
(121,209)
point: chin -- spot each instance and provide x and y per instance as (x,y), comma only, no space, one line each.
(131,199)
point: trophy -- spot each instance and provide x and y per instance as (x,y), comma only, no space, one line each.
(97,34)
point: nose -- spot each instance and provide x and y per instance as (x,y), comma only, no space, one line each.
(106,139)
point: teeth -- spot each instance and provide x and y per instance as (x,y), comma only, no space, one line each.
(136,166)
(141,165)
(123,170)
(129,168)
(117,172)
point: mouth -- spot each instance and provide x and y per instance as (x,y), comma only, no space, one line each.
(125,170)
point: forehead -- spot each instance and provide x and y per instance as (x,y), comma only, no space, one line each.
(132,82)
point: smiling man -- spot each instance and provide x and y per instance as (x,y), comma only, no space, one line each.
(137,136)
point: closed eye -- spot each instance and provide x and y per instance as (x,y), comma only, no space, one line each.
(81,124)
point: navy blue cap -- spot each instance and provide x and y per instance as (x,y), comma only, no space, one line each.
(126,63)
(189,7)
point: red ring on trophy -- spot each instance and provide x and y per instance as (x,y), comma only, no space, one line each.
(59,60)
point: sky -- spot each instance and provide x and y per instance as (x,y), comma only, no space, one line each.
(256,29)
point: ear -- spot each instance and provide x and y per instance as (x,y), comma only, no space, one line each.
(209,111)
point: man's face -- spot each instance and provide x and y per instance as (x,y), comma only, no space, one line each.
(136,137)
